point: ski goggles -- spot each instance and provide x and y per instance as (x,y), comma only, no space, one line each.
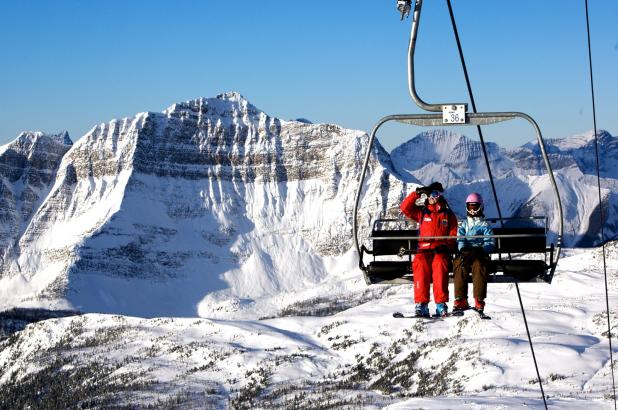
(435,194)
(473,206)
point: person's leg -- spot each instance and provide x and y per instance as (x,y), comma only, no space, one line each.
(460,277)
(440,268)
(421,271)
(480,275)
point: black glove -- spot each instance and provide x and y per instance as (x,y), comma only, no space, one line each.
(469,253)
(422,190)
(435,186)
(442,249)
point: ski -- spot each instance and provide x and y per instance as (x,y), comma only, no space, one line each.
(400,315)
(449,314)
(479,312)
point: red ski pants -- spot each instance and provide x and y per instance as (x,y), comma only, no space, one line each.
(428,266)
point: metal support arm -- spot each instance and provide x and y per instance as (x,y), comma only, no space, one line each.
(416,18)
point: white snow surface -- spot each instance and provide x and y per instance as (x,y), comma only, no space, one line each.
(359,357)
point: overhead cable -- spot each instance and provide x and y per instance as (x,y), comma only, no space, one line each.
(493,188)
(601,215)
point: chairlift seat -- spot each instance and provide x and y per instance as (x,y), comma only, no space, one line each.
(384,247)
(533,242)
(521,240)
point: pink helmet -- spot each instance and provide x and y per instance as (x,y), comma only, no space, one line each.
(474,197)
(474,204)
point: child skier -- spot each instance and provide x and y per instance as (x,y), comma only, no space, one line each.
(433,258)
(473,255)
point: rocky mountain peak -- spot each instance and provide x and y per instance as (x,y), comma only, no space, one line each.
(228,105)
(27,141)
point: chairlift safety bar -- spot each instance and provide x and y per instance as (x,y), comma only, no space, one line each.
(437,238)
(491,219)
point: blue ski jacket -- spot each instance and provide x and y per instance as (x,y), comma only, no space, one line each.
(473,226)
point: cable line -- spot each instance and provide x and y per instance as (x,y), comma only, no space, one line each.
(596,148)
(493,188)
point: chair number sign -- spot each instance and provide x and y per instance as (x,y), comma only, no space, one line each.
(454,114)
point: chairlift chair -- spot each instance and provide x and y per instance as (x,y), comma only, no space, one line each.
(522,252)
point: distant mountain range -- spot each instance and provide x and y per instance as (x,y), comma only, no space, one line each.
(213,206)
(522,183)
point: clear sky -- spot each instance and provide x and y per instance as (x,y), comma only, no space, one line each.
(73,64)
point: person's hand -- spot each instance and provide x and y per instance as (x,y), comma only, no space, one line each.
(422,190)
(442,249)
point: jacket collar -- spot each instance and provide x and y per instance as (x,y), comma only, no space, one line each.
(437,207)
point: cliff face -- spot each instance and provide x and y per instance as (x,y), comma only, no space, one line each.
(28,168)
(208,201)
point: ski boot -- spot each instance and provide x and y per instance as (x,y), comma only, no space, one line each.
(441,310)
(421,310)
(460,305)
(479,305)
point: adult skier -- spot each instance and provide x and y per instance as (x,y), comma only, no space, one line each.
(473,255)
(430,210)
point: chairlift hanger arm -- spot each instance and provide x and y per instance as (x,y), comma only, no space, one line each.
(416,17)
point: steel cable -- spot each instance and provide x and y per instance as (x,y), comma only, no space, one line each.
(596,148)
(493,188)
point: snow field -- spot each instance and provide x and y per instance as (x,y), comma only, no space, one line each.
(361,354)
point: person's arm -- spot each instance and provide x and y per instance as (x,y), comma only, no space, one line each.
(452,231)
(488,243)
(410,209)
(461,231)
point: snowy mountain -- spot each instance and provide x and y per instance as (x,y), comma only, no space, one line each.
(28,169)
(522,184)
(178,213)
(214,208)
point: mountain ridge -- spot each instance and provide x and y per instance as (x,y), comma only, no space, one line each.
(213,207)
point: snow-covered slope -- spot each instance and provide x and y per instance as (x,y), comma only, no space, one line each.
(214,208)
(360,357)
(202,209)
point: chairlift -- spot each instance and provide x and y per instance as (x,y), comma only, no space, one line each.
(522,252)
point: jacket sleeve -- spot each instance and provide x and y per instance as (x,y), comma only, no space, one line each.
(488,243)
(409,207)
(461,231)
(452,231)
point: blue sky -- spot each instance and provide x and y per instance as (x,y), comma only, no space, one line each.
(73,64)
